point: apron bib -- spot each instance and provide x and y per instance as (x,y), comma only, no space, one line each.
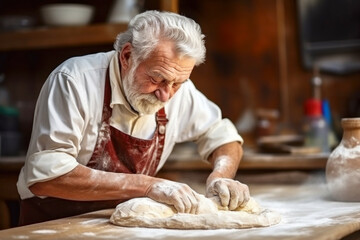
(114,151)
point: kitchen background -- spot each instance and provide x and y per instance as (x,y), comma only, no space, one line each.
(254,61)
(254,66)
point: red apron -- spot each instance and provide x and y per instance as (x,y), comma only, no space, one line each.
(114,151)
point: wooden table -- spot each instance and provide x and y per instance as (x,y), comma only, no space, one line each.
(178,164)
(307,213)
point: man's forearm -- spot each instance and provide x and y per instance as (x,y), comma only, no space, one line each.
(225,161)
(84,183)
(220,184)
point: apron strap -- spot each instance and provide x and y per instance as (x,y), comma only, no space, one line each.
(161,121)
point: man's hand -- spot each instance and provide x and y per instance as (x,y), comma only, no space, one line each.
(225,161)
(179,195)
(231,193)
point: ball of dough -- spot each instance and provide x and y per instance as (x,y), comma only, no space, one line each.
(144,207)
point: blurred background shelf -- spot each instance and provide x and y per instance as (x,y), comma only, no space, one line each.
(254,161)
(41,38)
(11,163)
(251,160)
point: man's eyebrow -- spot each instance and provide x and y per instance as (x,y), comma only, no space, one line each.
(163,78)
(156,74)
(159,75)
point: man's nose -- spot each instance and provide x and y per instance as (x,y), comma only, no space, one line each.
(163,93)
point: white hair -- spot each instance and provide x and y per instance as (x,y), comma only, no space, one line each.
(147,29)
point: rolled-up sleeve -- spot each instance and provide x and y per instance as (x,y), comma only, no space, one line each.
(200,120)
(47,165)
(57,130)
(218,134)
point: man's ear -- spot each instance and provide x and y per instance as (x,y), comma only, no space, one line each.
(124,56)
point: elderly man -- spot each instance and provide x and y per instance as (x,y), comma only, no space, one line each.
(105,124)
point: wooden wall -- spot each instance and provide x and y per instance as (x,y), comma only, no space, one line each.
(253,61)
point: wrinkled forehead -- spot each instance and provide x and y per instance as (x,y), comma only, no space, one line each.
(167,62)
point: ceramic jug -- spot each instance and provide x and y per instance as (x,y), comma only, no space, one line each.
(343,165)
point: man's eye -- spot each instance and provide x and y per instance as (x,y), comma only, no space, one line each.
(153,80)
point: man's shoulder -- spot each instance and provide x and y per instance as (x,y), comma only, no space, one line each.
(83,70)
(187,87)
(79,65)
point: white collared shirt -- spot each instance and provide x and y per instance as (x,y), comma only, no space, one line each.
(69,110)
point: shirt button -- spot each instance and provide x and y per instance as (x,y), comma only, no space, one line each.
(161,129)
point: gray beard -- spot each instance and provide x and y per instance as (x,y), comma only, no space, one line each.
(142,103)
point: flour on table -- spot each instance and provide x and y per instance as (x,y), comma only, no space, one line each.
(145,212)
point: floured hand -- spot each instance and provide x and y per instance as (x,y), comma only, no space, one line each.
(179,195)
(231,194)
